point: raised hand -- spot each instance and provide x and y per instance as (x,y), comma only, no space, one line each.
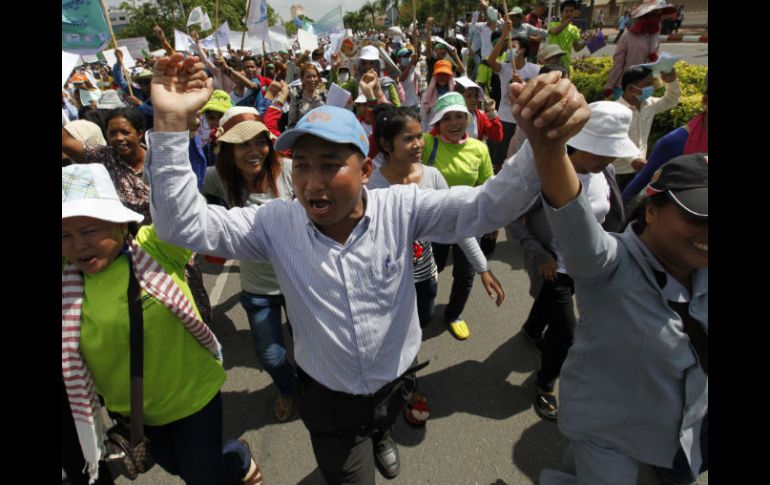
(549,109)
(180,87)
(368,84)
(336,60)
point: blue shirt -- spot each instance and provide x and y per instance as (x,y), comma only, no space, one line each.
(198,159)
(146,107)
(668,147)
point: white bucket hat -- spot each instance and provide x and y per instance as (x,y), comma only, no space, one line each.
(606,133)
(467,83)
(369,53)
(87,190)
(448,103)
(110,100)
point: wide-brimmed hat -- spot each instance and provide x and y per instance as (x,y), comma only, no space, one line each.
(446,104)
(219,101)
(551,50)
(606,133)
(86,131)
(685,181)
(516,11)
(143,74)
(87,191)
(337,125)
(651,5)
(404,52)
(443,67)
(240,124)
(369,53)
(110,100)
(468,83)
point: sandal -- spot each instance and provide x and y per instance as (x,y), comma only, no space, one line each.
(546,405)
(254,475)
(283,408)
(416,412)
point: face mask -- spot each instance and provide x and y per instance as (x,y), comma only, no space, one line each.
(344,76)
(442,90)
(646,93)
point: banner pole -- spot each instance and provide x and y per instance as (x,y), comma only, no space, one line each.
(510,42)
(216,24)
(115,43)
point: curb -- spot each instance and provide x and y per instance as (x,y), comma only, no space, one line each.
(684,38)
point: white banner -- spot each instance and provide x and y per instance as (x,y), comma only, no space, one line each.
(337,96)
(128,61)
(68,63)
(183,42)
(278,39)
(196,16)
(223,33)
(307,41)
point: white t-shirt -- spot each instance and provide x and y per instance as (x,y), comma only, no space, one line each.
(486,40)
(410,87)
(506,73)
(597,191)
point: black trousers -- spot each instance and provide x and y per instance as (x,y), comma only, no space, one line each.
(462,278)
(344,427)
(553,308)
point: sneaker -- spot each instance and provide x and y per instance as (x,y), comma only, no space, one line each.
(459,329)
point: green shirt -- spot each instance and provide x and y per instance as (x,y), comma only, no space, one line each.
(180,375)
(566,40)
(461,164)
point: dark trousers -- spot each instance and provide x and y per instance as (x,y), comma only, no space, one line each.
(498,151)
(71,454)
(553,308)
(426,300)
(192,448)
(618,36)
(462,278)
(344,427)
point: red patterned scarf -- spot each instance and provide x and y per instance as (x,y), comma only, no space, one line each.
(84,403)
(698,139)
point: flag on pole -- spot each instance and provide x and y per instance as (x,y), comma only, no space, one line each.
(330,23)
(223,32)
(196,16)
(84,27)
(206,22)
(256,15)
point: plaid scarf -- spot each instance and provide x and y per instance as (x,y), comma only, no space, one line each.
(84,403)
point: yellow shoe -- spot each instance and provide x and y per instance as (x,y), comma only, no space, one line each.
(459,329)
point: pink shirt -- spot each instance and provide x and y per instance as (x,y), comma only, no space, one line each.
(632,49)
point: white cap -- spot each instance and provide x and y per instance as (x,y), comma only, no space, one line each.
(87,191)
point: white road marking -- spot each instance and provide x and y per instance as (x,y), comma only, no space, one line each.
(219,284)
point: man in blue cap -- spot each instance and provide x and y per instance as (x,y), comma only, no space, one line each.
(343,254)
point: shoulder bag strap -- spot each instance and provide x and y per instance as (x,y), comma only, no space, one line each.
(433,152)
(136,317)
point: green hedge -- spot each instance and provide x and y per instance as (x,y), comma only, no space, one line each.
(589,75)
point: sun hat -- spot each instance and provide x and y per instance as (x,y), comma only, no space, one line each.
(606,133)
(516,11)
(404,52)
(86,131)
(110,100)
(650,5)
(240,124)
(337,125)
(369,53)
(467,83)
(219,101)
(87,190)
(446,104)
(685,181)
(360,99)
(491,13)
(443,67)
(461,38)
(551,50)
(78,78)
(143,74)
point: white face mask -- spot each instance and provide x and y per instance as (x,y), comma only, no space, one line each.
(344,76)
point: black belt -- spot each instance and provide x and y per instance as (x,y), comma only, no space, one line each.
(380,392)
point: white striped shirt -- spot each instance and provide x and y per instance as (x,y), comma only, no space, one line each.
(352,306)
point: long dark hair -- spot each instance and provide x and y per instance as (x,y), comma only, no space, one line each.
(233,180)
(389,121)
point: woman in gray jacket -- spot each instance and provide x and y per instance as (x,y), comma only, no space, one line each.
(634,387)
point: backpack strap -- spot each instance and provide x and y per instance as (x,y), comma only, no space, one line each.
(433,152)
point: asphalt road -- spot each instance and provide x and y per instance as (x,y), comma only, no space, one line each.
(482,430)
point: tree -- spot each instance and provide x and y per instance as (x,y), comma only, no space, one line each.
(169,16)
(370,8)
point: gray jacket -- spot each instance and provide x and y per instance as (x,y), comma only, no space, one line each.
(632,380)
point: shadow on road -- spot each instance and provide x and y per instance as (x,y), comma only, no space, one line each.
(540,446)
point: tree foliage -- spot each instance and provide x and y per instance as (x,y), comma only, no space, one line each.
(169,16)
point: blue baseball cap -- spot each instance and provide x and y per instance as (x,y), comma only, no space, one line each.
(331,123)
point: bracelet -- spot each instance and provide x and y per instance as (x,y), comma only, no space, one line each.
(278,102)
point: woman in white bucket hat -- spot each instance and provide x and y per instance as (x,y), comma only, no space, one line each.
(182,373)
